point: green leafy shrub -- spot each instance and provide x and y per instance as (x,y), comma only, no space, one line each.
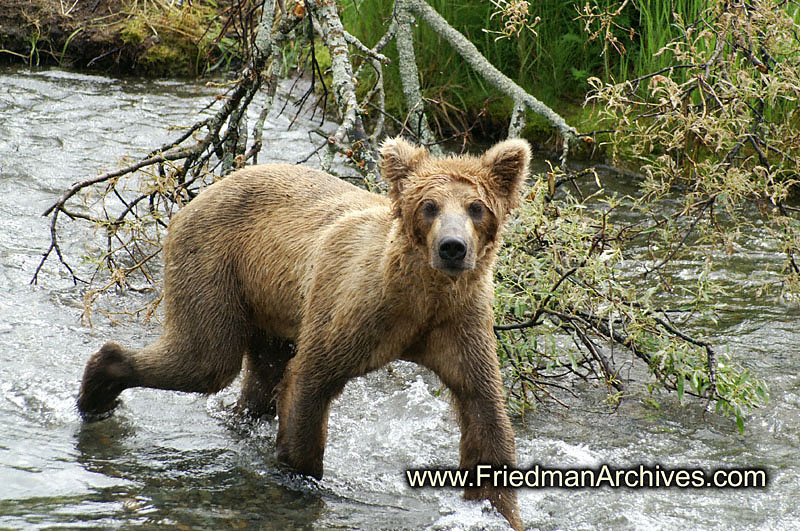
(571,301)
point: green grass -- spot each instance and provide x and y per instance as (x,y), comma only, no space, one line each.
(656,27)
(553,65)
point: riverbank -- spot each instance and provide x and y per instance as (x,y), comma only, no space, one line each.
(190,39)
(129,37)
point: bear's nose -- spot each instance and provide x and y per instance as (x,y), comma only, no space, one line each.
(452,249)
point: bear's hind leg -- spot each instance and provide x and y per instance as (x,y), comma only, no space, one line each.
(108,372)
(200,363)
(265,363)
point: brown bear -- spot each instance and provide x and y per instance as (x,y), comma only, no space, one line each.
(313,281)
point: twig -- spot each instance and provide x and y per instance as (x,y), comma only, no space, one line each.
(605,365)
(366,51)
(117,173)
(689,231)
(711,356)
(533,321)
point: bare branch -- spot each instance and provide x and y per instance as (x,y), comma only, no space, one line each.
(344,89)
(409,76)
(360,46)
(500,81)
(232,141)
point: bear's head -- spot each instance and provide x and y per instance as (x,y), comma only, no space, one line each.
(453,208)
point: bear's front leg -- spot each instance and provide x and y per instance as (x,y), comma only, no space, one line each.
(304,399)
(463,356)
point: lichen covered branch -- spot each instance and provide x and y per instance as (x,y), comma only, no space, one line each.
(488,71)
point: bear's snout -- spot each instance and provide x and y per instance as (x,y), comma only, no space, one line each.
(452,250)
(452,244)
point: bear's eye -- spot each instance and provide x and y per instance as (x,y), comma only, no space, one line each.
(430,209)
(475,209)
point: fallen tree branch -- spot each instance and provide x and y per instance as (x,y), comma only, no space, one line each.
(344,89)
(485,69)
(409,78)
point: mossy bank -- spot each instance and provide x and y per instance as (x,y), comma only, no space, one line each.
(150,38)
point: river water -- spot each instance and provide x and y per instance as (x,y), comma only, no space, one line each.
(183,461)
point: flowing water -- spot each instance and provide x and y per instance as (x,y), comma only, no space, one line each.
(183,461)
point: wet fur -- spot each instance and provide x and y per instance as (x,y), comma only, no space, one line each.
(312,281)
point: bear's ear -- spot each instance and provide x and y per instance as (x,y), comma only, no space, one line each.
(398,159)
(508,163)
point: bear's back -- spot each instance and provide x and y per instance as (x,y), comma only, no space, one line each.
(261,226)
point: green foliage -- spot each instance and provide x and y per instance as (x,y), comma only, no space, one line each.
(566,277)
(66,45)
(714,130)
(571,42)
(33,40)
(657,27)
(721,128)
